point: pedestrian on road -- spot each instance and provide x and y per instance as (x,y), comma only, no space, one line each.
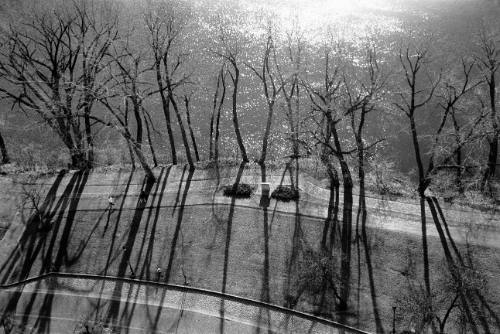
(111,202)
(158,273)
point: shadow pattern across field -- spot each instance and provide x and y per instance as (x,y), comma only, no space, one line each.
(179,229)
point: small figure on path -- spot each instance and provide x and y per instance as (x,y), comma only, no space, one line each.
(111,202)
(158,273)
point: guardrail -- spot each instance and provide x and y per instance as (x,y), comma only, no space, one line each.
(192,290)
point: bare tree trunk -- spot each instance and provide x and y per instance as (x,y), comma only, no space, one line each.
(235,78)
(489,173)
(331,203)
(138,120)
(125,122)
(89,138)
(265,139)
(193,139)
(131,154)
(142,159)
(422,186)
(181,126)
(150,142)
(212,116)
(217,121)
(166,111)
(295,146)
(3,149)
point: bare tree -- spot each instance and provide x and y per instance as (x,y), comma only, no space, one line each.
(169,61)
(412,100)
(269,86)
(454,96)
(124,88)
(218,102)
(326,116)
(119,114)
(128,77)
(288,74)
(50,65)
(363,90)
(230,49)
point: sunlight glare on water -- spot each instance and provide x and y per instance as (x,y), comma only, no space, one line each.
(350,18)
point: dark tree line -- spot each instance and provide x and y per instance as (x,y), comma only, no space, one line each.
(68,64)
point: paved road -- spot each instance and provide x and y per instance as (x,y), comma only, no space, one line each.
(61,305)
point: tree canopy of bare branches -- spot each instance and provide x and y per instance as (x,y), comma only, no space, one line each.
(52,62)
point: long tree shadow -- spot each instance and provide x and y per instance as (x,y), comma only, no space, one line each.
(473,302)
(227,246)
(42,323)
(293,288)
(292,292)
(177,230)
(371,279)
(129,305)
(26,248)
(35,240)
(111,258)
(177,197)
(157,208)
(144,273)
(264,317)
(128,248)
(173,247)
(155,318)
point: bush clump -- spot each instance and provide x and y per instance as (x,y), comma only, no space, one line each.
(285,193)
(238,190)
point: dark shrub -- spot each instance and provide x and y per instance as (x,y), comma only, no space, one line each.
(285,193)
(239,190)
